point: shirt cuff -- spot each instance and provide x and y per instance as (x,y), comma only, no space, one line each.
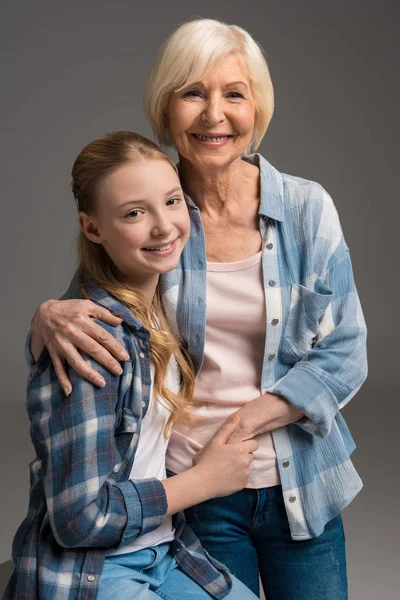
(302,387)
(146,506)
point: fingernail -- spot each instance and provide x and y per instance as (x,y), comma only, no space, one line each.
(117,370)
(100,381)
(124,355)
(67,391)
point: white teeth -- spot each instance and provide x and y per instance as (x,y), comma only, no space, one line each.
(160,248)
(205,138)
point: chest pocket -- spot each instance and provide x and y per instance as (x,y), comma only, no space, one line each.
(306,310)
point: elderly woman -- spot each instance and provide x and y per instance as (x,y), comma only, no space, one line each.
(265,301)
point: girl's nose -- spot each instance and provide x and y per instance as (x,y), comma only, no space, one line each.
(161,226)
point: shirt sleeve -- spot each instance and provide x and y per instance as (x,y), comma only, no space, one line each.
(75,441)
(332,371)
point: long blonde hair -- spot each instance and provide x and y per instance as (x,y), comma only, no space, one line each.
(98,159)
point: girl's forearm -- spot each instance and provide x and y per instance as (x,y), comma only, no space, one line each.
(186,489)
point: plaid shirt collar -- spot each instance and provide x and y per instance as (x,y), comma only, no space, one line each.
(103,298)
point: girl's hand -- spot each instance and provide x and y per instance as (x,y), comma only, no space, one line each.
(66,326)
(226,468)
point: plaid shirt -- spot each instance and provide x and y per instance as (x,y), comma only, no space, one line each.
(81,499)
(315,351)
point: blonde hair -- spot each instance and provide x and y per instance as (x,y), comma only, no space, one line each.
(189,54)
(97,160)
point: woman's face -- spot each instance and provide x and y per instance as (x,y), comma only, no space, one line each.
(211,122)
(141,219)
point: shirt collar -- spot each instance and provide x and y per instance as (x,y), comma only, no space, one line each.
(100,296)
(271,204)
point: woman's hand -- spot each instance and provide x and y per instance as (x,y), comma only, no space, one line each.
(262,414)
(226,467)
(66,326)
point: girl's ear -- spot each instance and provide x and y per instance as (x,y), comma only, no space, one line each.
(89,227)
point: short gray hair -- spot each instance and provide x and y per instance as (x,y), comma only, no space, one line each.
(189,54)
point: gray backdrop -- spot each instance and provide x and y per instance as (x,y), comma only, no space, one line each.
(71,71)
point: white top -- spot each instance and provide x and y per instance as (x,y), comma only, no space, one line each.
(232,368)
(150,459)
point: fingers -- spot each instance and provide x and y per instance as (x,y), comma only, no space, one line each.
(102,314)
(250,446)
(107,342)
(89,338)
(75,360)
(61,373)
(226,430)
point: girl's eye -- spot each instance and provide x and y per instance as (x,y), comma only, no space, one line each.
(134,214)
(174,201)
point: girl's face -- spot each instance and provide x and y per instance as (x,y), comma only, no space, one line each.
(211,122)
(141,219)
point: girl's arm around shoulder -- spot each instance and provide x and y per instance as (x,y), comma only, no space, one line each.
(75,439)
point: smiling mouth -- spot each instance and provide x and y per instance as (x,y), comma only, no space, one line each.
(211,138)
(163,248)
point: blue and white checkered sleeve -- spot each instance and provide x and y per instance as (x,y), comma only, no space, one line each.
(329,375)
(74,438)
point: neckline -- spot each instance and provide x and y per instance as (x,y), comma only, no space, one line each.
(238,265)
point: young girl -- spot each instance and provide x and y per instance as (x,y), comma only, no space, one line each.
(99,523)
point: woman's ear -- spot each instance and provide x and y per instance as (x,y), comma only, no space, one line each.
(89,227)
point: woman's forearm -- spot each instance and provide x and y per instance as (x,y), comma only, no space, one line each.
(264,413)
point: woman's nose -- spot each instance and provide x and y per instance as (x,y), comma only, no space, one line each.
(213,113)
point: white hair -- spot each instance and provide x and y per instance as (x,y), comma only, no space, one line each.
(189,54)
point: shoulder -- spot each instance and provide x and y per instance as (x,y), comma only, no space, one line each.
(297,196)
(43,376)
(307,195)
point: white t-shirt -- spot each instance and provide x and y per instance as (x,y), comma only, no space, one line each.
(150,459)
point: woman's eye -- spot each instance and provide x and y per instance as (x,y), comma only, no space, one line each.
(173,201)
(192,94)
(235,95)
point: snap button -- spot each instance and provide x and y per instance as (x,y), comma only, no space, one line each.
(271,356)
(141,355)
(91,578)
(274,321)
(269,246)
(271,282)
(292,499)
(285,464)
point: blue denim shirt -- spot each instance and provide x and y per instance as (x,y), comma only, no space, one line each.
(82,501)
(315,345)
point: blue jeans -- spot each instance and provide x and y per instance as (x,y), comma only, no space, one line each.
(249,532)
(153,573)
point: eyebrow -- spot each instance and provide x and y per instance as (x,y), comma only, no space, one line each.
(228,84)
(139,200)
(239,82)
